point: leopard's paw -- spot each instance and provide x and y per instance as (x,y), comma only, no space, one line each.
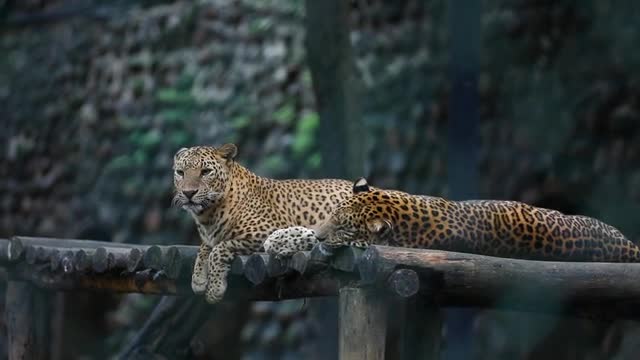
(216,288)
(199,279)
(286,242)
(198,285)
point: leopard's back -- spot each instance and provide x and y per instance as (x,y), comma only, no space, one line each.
(515,229)
(518,230)
(489,227)
(308,202)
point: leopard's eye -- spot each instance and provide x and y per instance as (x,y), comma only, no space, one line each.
(204,172)
(179,172)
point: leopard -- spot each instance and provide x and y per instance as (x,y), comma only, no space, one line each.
(235,210)
(501,228)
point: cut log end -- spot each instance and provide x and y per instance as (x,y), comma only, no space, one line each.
(404,283)
(100,261)
(255,269)
(152,258)
(298,262)
(15,249)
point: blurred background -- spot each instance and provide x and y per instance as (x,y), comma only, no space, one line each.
(530,100)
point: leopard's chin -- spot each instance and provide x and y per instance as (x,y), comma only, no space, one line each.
(195,209)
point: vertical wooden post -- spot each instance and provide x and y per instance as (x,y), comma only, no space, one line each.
(422,330)
(21,327)
(336,87)
(363,324)
(340,135)
(463,138)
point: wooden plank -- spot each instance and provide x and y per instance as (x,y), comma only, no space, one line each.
(363,324)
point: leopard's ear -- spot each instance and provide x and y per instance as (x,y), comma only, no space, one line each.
(379,226)
(360,186)
(228,151)
(180,152)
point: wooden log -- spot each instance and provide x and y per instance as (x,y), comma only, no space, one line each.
(173,263)
(144,282)
(421,333)
(67,262)
(255,269)
(54,259)
(461,279)
(99,261)
(238,264)
(117,260)
(71,243)
(275,267)
(42,255)
(152,258)
(15,249)
(404,283)
(363,324)
(19,315)
(5,245)
(134,260)
(179,260)
(372,269)
(30,256)
(82,260)
(346,259)
(298,262)
(319,258)
(336,86)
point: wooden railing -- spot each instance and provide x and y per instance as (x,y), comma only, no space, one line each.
(366,281)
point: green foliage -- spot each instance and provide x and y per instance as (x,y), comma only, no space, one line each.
(274,164)
(260,25)
(175,115)
(146,140)
(118,163)
(174,96)
(285,114)
(240,122)
(304,136)
(314,161)
(306,77)
(179,138)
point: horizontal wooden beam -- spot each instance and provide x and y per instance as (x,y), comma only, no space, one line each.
(460,279)
(452,279)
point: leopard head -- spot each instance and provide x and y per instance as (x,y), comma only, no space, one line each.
(358,220)
(201,175)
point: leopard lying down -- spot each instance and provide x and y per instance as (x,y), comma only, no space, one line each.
(487,227)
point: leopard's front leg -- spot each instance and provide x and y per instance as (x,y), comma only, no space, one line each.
(219,262)
(201,269)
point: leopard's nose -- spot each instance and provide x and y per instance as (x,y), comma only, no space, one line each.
(189,193)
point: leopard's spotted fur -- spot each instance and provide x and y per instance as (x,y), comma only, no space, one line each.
(235,210)
(497,228)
